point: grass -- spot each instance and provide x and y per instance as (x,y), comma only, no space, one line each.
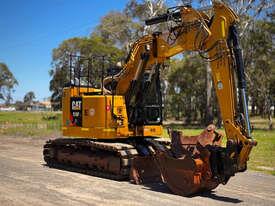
(262,157)
(39,124)
(29,123)
(28,117)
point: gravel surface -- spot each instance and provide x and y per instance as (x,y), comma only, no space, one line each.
(25,180)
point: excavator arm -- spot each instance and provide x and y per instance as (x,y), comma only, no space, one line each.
(216,40)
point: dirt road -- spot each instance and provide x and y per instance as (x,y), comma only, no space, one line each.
(24,180)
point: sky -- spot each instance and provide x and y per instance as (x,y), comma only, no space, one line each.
(30,29)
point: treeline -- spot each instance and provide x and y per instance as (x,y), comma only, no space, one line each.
(188,92)
(187,78)
(7,83)
(28,101)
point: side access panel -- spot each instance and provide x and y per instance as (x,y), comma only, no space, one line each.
(91,117)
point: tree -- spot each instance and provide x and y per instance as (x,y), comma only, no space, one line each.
(123,28)
(29,97)
(20,106)
(261,71)
(7,83)
(187,88)
(249,11)
(116,27)
(88,47)
(141,10)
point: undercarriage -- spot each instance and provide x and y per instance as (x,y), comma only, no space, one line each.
(187,165)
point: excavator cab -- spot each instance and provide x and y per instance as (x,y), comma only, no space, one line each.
(147,107)
(88,112)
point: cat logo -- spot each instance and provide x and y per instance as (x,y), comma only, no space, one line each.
(76,105)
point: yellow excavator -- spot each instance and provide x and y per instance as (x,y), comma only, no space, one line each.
(115,131)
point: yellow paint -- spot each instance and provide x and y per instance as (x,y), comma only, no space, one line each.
(222,27)
(218,76)
(109,130)
(99,123)
(152,130)
(97,120)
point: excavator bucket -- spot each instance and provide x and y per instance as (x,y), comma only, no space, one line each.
(186,176)
(184,167)
(187,171)
(144,170)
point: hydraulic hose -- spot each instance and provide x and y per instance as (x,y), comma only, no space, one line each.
(241,75)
